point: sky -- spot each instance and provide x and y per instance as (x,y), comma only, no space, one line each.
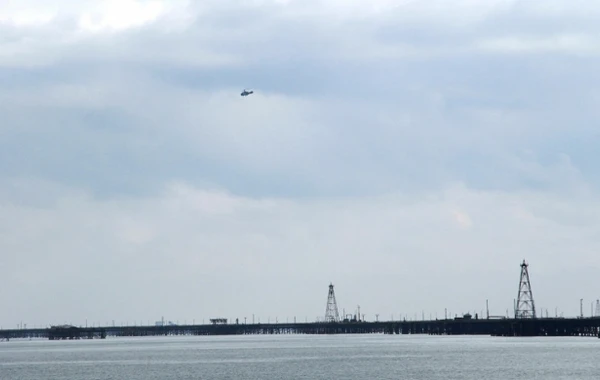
(412,153)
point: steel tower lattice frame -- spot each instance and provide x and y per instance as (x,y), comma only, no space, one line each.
(331,311)
(525,307)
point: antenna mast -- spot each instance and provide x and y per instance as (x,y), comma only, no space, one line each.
(331,312)
(525,307)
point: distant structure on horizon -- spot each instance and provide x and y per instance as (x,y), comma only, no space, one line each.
(331,312)
(525,306)
(163,323)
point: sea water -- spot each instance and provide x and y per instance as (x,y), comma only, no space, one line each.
(343,357)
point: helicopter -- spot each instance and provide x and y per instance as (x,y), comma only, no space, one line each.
(246,92)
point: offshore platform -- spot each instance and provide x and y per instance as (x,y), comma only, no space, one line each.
(525,322)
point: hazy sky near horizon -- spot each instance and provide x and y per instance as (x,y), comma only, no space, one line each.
(413,153)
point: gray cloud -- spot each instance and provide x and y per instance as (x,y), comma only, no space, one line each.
(208,252)
(127,152)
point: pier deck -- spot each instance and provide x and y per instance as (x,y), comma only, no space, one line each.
(459,326)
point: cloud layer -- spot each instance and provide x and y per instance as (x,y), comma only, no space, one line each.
(412,153)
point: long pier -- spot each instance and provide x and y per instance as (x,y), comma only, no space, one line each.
(525,323)
(589,327)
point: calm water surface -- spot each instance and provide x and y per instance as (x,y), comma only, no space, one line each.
(303,357)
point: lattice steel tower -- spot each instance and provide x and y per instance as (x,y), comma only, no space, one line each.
(331,312)
(525,307)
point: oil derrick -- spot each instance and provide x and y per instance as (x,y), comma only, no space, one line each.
(331,312)
(525,307)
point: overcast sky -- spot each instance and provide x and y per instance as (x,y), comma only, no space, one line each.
(411,152)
